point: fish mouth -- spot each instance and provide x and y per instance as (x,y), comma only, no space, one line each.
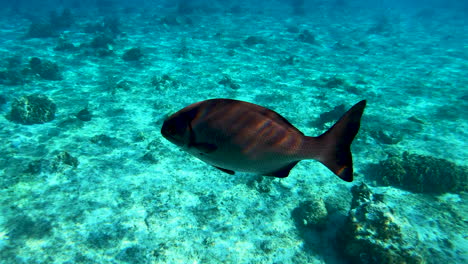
(168,136)
(165,133)
(173,139)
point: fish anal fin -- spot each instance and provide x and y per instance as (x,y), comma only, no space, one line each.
(283,172)
(230,172)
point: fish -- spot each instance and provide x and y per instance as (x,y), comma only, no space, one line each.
(238,136)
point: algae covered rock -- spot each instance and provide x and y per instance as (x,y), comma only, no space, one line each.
(133,54)
(40,30)
(372,232)
(261,184)
(311,213)
(254,40)
(33,109)
(307,37)
(46,69)
(84,115)
(3,100)
(24,226)
(164,82)
(64,158)
(423,174)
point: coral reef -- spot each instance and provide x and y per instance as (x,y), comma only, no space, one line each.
(186,7)
(100,45)
(289,60)
(101,41)
(133,54)
(58,163)
(33,109)
(311,214)
(329,116)
(37,166)
(307,37)
(333,82)
(104,34)
(105,236)
(261,184)
(292,29)
(422,174)
(61,21)
(84,115)
(254,40)
(113,85)
(104,141)
(382,26)
(164,82)
(227,81)
(109,26)
(40,30)
(385,137)
(13,62)
(3,100)
(47,70)
(14,73)
(153,151)
(64,45)
(189,7)
(11,77)
(133,254)
(176,20)
(183,50)
(22,226)
(64,158)
(298,7)
(49,29)
(372,233)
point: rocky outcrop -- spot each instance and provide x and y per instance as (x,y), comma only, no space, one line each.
(311,213)
(33,109)
(372,232)
(422,174)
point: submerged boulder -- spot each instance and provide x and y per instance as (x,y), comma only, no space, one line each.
(33,109)
(372,232)
(422,174)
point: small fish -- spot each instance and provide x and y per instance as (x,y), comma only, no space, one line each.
(234,135)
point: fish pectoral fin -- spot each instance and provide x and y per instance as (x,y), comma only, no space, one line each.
(205,147)
(283,172)
(230,172)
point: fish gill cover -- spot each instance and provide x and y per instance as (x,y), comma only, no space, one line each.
(86,176)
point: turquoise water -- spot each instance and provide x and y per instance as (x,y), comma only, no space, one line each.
(86,176)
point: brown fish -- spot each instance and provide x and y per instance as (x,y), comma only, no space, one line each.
(234,135)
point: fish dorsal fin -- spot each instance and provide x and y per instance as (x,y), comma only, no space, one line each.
(283,172)
(230,172)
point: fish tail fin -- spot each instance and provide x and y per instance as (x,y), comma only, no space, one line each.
(333,148)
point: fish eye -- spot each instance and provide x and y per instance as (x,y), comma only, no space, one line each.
(171,129)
